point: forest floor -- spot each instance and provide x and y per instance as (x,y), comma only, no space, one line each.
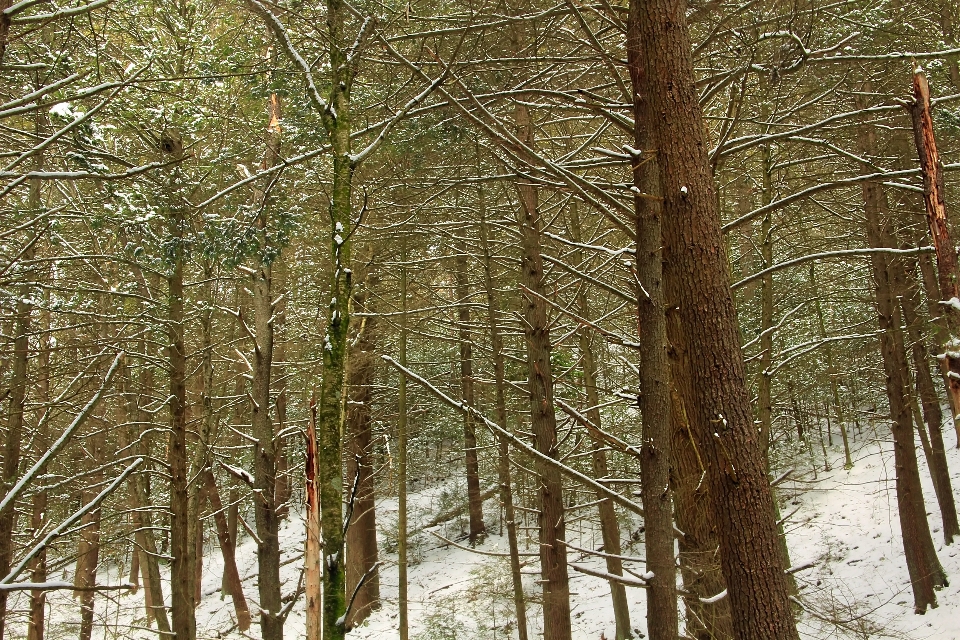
(845,522)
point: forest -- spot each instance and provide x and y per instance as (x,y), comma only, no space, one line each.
(489,319)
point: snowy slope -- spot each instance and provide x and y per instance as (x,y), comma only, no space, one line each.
(845,522)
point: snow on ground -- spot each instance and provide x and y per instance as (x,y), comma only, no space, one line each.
(845,522)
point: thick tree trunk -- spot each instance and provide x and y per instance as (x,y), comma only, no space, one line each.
(503,462)
(706,618)
(477,528)
(88,555)
(543,419)
(361,541)
(926,574)
(654,396)
(714,387)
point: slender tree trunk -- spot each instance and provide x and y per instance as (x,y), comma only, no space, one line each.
(312,549)
(337,120)
(714,388)
(609,526)
(18,396)
(265,460)
(284,487)
(932,413)
(831,371)
(361,539)
(184,623)
(503,462)
(477,528)
(926,574)
(402,455)
(231,575)
(88,557)
(543,419)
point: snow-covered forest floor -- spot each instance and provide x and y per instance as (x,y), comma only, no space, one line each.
(845,522)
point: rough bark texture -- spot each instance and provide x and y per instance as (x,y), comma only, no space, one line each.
(477,528)
(926,575)
(543,419)
(714,389)
(654,396)
(361,539)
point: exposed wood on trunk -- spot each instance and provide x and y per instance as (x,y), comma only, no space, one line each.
(933,198)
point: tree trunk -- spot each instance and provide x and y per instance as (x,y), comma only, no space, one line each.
(609,526)
(932,413)
(361,540)
(312,551)
(265,460)
(402,454)
(933,198)
(543,419)
(337,120)
(697,289)
(231,576)
(654,396)
(503,462)
(181,548)
(926,574)
(477,528)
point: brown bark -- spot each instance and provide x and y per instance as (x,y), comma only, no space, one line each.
(15,435)
(699,562)
(609,526)
(503,461)
(284,486)
(88,555)
(477,528)
(312,550)
(543,419)
(654,370)
(184,623)
(698,291)
(361,538)
(926,574)
(231,576)
(933,198)
(932,413)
